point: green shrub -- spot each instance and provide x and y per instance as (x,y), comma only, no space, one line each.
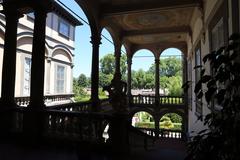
(145,124)
(177,126)
(175,118)
(166,125)
(165,118)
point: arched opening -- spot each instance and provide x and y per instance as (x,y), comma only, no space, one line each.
(82,62)
(171,126)
(171,72)
(106,62)
(143,73)
(171,121)
(59,72)
(143,120)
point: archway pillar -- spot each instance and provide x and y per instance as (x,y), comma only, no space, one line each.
(157,82)
(34,120)
(9,56)
(38,60)
(157,126)
(117,74)
(7,102)
(129,79)
(96,41)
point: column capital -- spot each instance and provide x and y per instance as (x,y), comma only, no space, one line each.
(129,61)
(11,10)
(96,39)
(157,60)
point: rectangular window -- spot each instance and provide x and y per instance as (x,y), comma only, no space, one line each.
(27,76)
(217,35)
(198,77)
(63,28)
(60,79)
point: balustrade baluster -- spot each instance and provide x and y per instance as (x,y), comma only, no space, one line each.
(53,123)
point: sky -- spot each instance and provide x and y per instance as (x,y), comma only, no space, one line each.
(83,47)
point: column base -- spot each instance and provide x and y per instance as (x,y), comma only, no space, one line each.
(34,122)
(96,106)
(8,117)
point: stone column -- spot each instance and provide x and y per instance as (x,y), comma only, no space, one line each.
(157,83)
(117,61)
(8,118)
(38,60)
(96,41)
(129,79)
(9,56)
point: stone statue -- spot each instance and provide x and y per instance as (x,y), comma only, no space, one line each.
(117,94)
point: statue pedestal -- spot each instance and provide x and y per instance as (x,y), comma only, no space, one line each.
(118,133)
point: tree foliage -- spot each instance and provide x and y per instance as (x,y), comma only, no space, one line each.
(83,80)
(170,75)
(171,66)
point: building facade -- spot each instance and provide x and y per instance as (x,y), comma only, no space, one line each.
(211,28)
(59,52)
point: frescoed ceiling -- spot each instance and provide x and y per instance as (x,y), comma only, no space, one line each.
(141,22)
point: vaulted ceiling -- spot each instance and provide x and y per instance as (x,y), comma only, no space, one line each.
(147,22)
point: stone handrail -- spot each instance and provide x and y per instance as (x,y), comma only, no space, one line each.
(163,133)
(79,106)
(150,99)
(175,134)
(24,100)
(171,100)
(78,126)
(143,99)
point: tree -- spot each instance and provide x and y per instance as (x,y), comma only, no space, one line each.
(164,84)
(175,86)
(138,80)
(107,64)
(149,81)
(105,79)
(170,66)
(82,81)
(123,65)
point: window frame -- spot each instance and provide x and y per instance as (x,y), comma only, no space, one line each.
(221,14)
(62,21)
(24,76)
(57,91)
(198,62)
